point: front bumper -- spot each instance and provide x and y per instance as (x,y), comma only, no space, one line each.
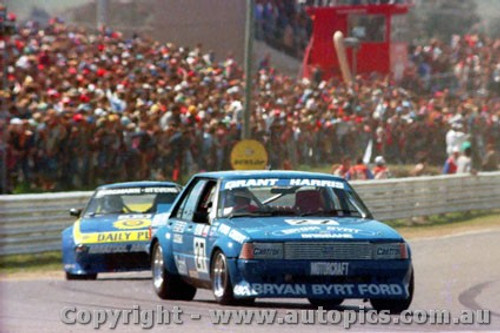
(108,257)
(298,279)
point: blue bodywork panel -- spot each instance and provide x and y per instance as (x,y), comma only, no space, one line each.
(114,242)
(292,256)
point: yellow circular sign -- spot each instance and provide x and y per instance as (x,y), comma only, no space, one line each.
(249,155)
(132,224)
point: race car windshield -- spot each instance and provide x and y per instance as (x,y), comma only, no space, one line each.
(290,200)
(131,201)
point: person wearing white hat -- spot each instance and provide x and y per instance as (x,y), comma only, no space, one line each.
(16,121)
(381,171)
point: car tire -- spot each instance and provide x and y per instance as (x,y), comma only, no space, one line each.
(221,280)
(394,306)
(326,303)
(70,276)
(166,285)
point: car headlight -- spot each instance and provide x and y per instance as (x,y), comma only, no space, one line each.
(391,251)
(80,248)
(262,251)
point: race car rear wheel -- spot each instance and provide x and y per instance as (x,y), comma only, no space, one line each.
(326,303)
(70,276)
(221,281)
(395,306)
(166,285)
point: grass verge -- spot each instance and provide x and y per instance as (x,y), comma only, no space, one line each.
(434,226)
(29,263)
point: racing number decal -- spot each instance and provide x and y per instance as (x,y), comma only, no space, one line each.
(199,255)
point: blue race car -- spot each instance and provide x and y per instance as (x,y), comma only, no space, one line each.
(277,234)
(113,232)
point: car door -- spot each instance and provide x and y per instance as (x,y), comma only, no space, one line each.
(189,232)
(200,235)
(181,224)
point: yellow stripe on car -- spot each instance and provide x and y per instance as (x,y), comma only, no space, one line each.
(109,236)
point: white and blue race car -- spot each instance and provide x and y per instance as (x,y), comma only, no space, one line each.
(276,234)
(113,232)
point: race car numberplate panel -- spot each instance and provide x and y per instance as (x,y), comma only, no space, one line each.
(330,268)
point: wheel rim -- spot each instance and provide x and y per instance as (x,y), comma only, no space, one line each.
(219,275)
(158,267)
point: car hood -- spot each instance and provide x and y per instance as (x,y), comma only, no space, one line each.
(115,222)
(310,228)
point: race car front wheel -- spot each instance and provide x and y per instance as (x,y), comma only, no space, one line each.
(166,285)
(70,276)
(395,306)
(221,282)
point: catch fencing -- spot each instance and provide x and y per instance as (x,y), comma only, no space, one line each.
(32,223)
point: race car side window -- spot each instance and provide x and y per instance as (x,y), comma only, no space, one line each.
(188,206)
(206,203)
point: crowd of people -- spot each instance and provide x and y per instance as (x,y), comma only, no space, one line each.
(284,25)
(84,109)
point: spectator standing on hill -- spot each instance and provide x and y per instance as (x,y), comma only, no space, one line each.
(342,169)
(491,160)
(359,171)
(455,137)
(381,171)
(450,166)
(464,162)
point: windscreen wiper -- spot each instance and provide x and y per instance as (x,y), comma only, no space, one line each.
(249,214)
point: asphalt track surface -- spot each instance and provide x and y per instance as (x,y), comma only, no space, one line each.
(452,273)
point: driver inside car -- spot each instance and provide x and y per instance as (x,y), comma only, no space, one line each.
(240,201)
(112,204)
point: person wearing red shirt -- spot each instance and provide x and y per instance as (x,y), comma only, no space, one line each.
(450,166)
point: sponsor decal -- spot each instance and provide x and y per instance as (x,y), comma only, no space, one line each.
(337,290)
(201,230)
(136,190)
(118,191)
(248,155)
(317,182)
(330,268)
(311,222)
(132,223)
(269,182)
(116,248)
(237,236)
(200,247)
(326,235)
(179,226)
(262,182)
(390,251)
(326,230)
(267,251)
(293,231)
(224,229)
(181,265)
(110,236)
(178,238)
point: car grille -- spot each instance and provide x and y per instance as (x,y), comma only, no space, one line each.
(328,251)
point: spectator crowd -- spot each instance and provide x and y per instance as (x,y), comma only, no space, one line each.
(83,109)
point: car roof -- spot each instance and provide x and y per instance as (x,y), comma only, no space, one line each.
(267,174)
(138,184)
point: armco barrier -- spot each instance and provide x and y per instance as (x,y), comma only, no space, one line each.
(31,223)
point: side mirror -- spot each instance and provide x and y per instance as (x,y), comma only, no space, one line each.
(200,217)
(75,212)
